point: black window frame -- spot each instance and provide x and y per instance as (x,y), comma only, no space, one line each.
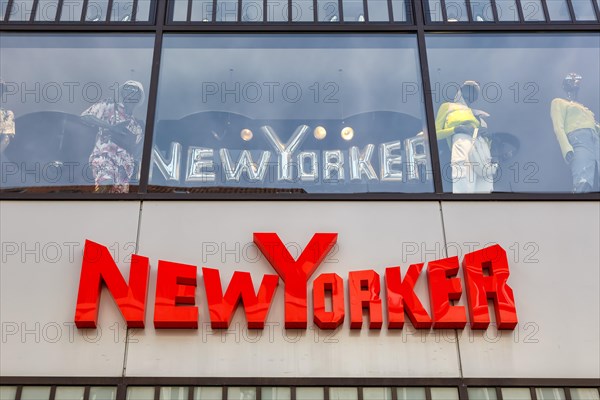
(418,25)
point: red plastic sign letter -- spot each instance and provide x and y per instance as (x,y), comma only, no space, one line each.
(328,319)
(364,293)
(493,286)
(295,273)
(98,266)
(401,296)
(222,308)
(174,306)
(442,289)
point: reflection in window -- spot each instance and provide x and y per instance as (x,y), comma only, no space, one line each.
(312,113)
(103,393)
(558,10)
(276,393)
(140,393)
(411,393)
(516,394)
(208,393)
(531,126)
(585,394)
(74,124)
(482,393)
(550,393)
(8,392)
(241,393)
(343,393)
(532,10)
(69,393)
(444,393)
(310,393)
(584,10)
(377,393)
(35,393)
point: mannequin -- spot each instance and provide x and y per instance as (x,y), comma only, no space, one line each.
(7,123)
(456,122)
(119,139)
(577,133)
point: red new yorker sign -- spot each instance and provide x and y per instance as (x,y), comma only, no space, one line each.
(485,273)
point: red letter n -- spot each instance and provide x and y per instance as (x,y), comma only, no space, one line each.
(98,266)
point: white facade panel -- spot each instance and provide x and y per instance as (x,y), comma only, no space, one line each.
(553,252)
(42,249)
(371,236)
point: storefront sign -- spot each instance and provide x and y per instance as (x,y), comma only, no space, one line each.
(485,271)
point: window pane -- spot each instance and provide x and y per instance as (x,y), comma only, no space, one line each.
(46,10)
(276,393)
(227,10)
(456,10)
(411,393)
(140,393)
(96,11)
(208,393)
(449,393)
(399,10)
(343,393)
(268,120)
(435,10)
(585,394)
(378,11)
(558,10)
(507,10)
(309,393)
(73,125)
(143,11)
(522,114)
(122,10)
(180,10)
(173,393)
(241,393)
(103,393)
(35,393)
(8,392)
(3,5)
(482,10)
(532,10)
(482,393)
(252,11)
(375,393)
(550,394)
(354,11)
(69,393)
(277,10)
(516,394)
(328,11)
(71,10)
(584,10)
(21,10)
(302,11)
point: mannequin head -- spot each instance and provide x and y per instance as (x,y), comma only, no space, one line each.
(571,85)
(132,94)
(470,91)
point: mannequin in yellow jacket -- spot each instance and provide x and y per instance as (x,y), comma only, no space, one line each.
(456,122)
(577,132)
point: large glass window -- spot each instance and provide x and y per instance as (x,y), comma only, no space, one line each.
(73,111)
(517,112)
(310,113)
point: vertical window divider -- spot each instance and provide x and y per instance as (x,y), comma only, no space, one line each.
(390,7)
(596,9)
(469,10)
(121,391)
(86,393)
(293,393)
(52,392)
(214,11)
(188,17)
(427,392)
(545,10)
(494,10)
(134,7)
(366,9)
(258,392)
(224,393)
(326,393)
(109,8)
(34,8)
(426,86)
(156,392)
(394,391)
(532,393)
(443,10)
(341,10)
(360,393)
(84,8)
(265,16)
(567,391)
(19,391)
(520,11)
(315,10)
(290,14)
(191,390)
(498,393)
(59,7)
(152,98)
(572,10)
(8,11)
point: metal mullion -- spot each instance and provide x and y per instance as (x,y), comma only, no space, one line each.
(341,10)
(239,11)
(410,12)
(572,10)
(391,11)
(532,393)
(499,393)
(8,11)
(469,11)
(156,392)
(394,390)
(494,10)
(224,393)
(19,388)
(444,11)
(290,15)
(316,10)
(326,393)
(121,391)
(109,8)
(134,7)
(84,8)
(214,11)
(170,11)
(52,392)
(86,393)
(59,8)
(191,390)
(463,393)
(567,391)
(434,155)
(293,393)
(265,16)
(360,393)
(34,8)
(188,17)
(545,10)
(519,11)
(152,99)
(259,393)
(427,393)
(366,10)
(597,9)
